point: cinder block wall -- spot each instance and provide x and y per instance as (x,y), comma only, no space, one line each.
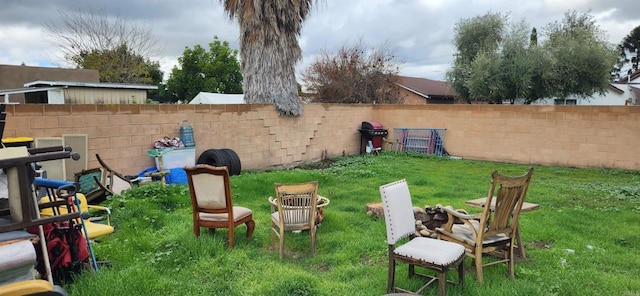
(579,136)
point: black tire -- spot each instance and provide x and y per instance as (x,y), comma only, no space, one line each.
(214,157)
(234,161)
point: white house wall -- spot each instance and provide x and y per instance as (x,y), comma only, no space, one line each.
(609,98)
(86,95)
(56,96)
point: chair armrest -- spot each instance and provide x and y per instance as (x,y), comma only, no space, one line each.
(101,208)
(453,214)
(459,215)
(273,203)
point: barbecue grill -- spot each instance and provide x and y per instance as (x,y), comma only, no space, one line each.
(374,132)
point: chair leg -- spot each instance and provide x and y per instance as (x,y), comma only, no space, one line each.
(273,235)
(461,272)
(196,228)
(511,263)
(442,283)
(313,241)
(281,243)
(391,274)
(478,261)
(251,225)
(231,235)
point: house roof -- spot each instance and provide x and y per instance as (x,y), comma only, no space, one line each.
(629,78)
(615,88)
(89,84)
(426,87)
(26,90)
(6,92)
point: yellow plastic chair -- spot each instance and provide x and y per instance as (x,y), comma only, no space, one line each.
(94,229)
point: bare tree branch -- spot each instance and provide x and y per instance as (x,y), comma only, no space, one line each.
(84,31)
(355,74)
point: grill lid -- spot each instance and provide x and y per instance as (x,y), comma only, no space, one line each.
(370,125)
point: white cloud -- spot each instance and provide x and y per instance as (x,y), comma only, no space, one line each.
(420,31)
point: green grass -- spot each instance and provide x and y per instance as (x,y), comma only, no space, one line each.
(589,219)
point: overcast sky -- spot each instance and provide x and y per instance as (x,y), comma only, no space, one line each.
(419,32)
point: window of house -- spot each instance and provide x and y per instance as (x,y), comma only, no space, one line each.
(565,102)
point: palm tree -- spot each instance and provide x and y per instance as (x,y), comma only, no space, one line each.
(269,49)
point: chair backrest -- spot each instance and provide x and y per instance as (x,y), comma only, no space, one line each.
(209,188)
(14,192)
(90,184)
(297,203)
(86,181)
(398,210)
(112,180)
(507,194)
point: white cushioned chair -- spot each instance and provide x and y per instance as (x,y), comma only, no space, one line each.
(429,253)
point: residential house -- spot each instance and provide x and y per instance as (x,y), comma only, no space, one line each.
(73,92)
(421,91)
(42,85)
(625,91)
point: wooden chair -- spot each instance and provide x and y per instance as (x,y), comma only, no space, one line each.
(112,182)
(294,209)
(492,231)
(211,201)
(428,253)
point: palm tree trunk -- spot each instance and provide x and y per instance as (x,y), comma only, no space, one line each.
(269,50)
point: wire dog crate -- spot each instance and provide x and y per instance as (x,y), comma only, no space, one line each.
(423,140)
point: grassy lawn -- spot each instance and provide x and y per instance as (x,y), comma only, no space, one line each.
(583,241)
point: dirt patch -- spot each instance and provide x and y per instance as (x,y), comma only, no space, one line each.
(318,165)
(541,244)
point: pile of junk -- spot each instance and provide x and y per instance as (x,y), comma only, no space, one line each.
(43,238)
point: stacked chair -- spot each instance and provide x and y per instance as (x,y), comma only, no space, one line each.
(19,247)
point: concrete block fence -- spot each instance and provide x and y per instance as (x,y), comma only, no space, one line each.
(580,136)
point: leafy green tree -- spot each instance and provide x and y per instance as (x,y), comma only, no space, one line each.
(487,81)
(216,70)
(495,66)
(516,62)
(120,65)
(269,49)
(629,49)
(533,39)
(581,58)
(474,36)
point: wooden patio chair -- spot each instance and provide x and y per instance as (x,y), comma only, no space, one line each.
(294,209)
(112,182)
(425,252)
(492,231)
(212,203)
